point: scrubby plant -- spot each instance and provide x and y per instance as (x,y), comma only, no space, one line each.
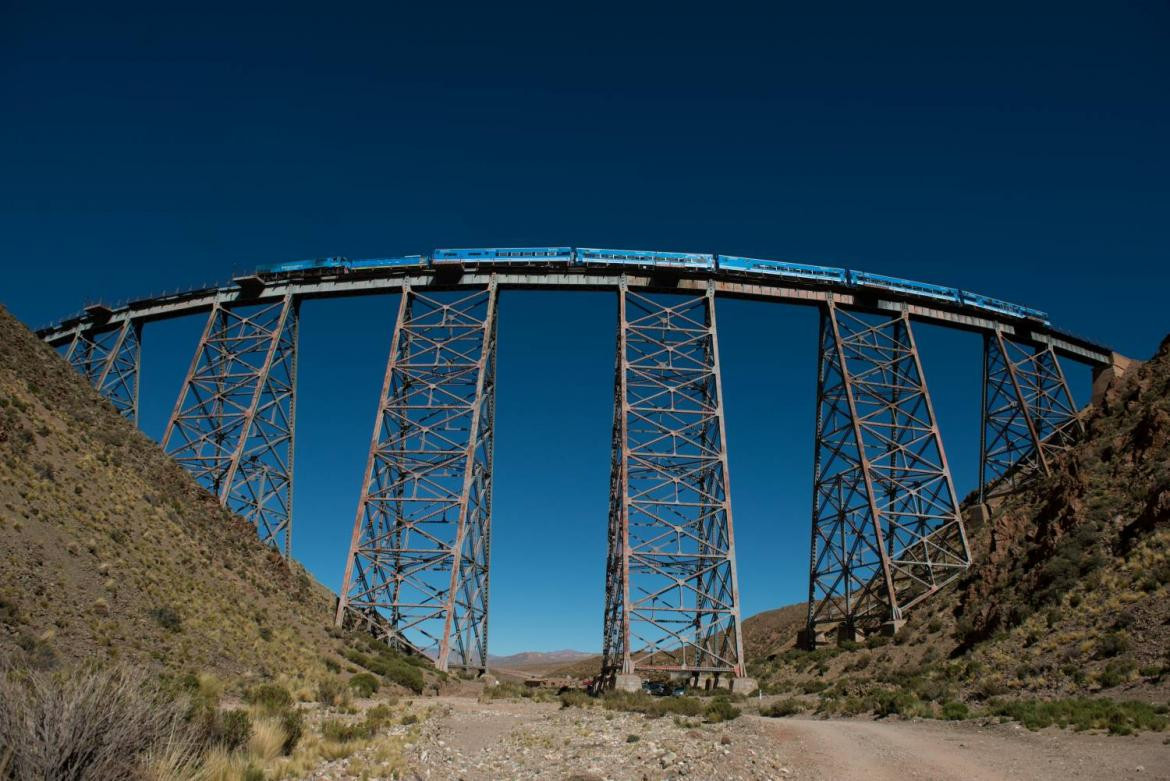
(720,709)
(269,697)
(89,724)
(785,707)
(363,684)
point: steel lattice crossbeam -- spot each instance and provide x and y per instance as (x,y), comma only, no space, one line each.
(233,424)
(418,559)
(672,601)
(887,531)
(110,359)
(1028,414)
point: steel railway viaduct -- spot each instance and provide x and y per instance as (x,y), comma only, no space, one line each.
(887,532)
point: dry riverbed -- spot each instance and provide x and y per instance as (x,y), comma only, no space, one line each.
(519,739)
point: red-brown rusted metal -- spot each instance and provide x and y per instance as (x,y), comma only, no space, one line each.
(887,532)
(418,558)
(233,423)
(1028,414)
(111,359)
(672,601)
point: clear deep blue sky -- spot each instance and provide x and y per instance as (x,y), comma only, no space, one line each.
(1020,151)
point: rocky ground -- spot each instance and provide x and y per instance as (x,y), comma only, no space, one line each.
(519,739)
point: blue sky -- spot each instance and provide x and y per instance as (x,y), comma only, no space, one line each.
(1019,152)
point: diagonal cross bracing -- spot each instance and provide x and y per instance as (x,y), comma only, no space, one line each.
(672,600)
(418,558)
(233,424)
(886,529)
(1028,414)
(110,360)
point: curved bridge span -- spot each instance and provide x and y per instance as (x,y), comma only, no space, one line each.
(886,528)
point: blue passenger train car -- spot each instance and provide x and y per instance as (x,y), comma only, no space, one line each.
(645,258)
(1001,307)
(405,261)
(783,268)
(908,286)
(504,255)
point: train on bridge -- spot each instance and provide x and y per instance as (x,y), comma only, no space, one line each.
(584,257)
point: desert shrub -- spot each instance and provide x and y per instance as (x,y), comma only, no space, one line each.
(1116,672)
(166,617)
(89,724)
(787,707)
(1120,718)
(331,691)
(633,738)
(1112,644)
(575,699)
(640,702)
(895,703)
(293,723)
(230,729)
(363,684)
(344,732)
(955,711)
(269,697)
(719,710)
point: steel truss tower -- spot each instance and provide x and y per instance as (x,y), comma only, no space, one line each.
(110,359)
(886,529)
(1028,414)
(233,424)
(672,599)
(417,570)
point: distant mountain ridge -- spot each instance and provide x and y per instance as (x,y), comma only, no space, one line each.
(538,659)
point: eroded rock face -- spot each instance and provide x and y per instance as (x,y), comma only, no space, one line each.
(1107,492)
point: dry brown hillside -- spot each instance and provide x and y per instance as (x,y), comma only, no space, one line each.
(1069,594)
(108,550)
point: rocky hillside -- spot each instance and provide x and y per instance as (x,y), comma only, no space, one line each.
(110,551)
(1069,591)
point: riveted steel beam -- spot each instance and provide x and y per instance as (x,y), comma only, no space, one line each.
(111,360)
(1029,417)
(672,599)
(886,528)
(417,568)
(233,424)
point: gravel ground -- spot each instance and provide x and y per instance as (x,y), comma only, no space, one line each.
(519,739)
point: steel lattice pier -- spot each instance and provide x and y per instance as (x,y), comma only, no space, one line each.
(1028,414)
(887,531)
(233,425)
(418,558)
(672,601)
(110,359)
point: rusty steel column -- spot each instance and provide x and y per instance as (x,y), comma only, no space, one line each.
(111,360)
(672,599)
(886,531)
(417,569)
(233,423)
(1028,414)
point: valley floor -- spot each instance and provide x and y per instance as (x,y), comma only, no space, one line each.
(520,739)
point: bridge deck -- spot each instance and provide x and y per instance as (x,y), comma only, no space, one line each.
(254,289)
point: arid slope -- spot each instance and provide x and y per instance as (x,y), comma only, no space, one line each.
(108,550)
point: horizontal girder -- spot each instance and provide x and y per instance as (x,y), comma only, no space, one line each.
(695,282)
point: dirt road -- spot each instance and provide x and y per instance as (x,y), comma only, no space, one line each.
(877,751)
